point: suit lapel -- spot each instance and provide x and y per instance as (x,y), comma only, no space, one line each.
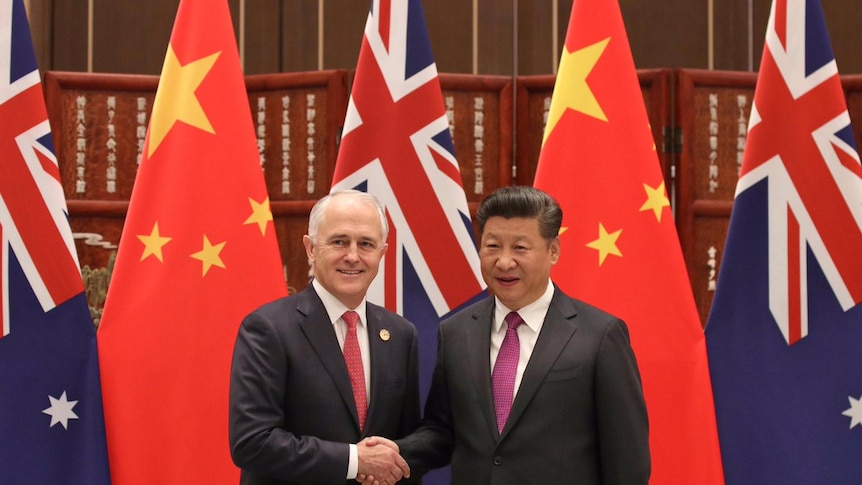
(380,354)
(557,331)
(478,350)
(320,333)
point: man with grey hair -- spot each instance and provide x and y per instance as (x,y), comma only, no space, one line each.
(314,373)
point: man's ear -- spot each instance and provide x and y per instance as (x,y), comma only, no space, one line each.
(309,247)
(555,250)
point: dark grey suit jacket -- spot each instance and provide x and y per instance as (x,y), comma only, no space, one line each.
(292,412)
(578,417)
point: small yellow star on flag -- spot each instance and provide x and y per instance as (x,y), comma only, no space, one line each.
(606,243)
(656,200)
(153,243)
(260,214)
(209,255)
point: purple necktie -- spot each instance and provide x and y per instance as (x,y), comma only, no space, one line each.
(505,368)
(353,358)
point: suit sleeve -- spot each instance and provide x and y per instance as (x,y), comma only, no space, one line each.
(431,445)
(259,442)
(623,428)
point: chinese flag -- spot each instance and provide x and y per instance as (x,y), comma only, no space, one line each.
(620,249)
(198,252)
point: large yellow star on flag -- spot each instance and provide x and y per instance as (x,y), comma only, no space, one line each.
(176,99)
(153,243)
(209,255)
(606,243)
(656,200)
(571,90)
(260,214)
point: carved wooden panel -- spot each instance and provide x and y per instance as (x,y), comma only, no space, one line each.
(480,121)
(713,108)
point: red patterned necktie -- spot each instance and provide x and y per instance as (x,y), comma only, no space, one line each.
(505,368)
(353,358)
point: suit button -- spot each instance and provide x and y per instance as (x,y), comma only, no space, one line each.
(498,460)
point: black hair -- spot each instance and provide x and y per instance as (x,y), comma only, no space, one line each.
(522,201)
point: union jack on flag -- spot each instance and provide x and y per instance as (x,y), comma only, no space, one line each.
(51,399)
(397,146)
(33,220)
(785,324)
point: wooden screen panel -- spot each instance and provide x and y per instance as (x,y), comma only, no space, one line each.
(98,122)
(480,121)
(713,108)
(297,119)
(534,100)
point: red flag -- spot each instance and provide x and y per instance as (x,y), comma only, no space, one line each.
(198,252)
(620,249)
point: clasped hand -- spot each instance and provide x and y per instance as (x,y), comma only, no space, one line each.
(380,462)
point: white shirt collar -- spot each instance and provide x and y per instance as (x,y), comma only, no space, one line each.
(532,314)
(334,308)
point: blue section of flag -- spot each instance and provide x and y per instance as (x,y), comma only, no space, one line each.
(48,354)
(419,54)
(779,407)
(22,59)
(818,49)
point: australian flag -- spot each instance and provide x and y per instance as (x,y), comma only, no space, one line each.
(397,146)
(51,422)
(785,328)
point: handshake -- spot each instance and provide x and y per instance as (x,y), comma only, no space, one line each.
(380,462)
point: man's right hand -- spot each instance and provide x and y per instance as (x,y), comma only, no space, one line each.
(379,462)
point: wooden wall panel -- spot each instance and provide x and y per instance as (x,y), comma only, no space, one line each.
(299,36)
(261,46)
(68,38)
(843,20)
(667,33)
(343,28)
(132,37)
(733,44)
(536,47)
(496,37)
(284,36)
(712,111)
(450,29)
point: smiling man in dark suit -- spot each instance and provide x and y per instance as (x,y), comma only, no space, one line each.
(315,372)
(531,386)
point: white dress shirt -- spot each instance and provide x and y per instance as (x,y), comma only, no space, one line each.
(335,309)
(533,316)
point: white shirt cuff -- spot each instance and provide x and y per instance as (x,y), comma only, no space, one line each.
(353,463)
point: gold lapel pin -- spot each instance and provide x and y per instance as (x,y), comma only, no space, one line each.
(384,335)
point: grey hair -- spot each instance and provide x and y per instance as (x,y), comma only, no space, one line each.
(320,207)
